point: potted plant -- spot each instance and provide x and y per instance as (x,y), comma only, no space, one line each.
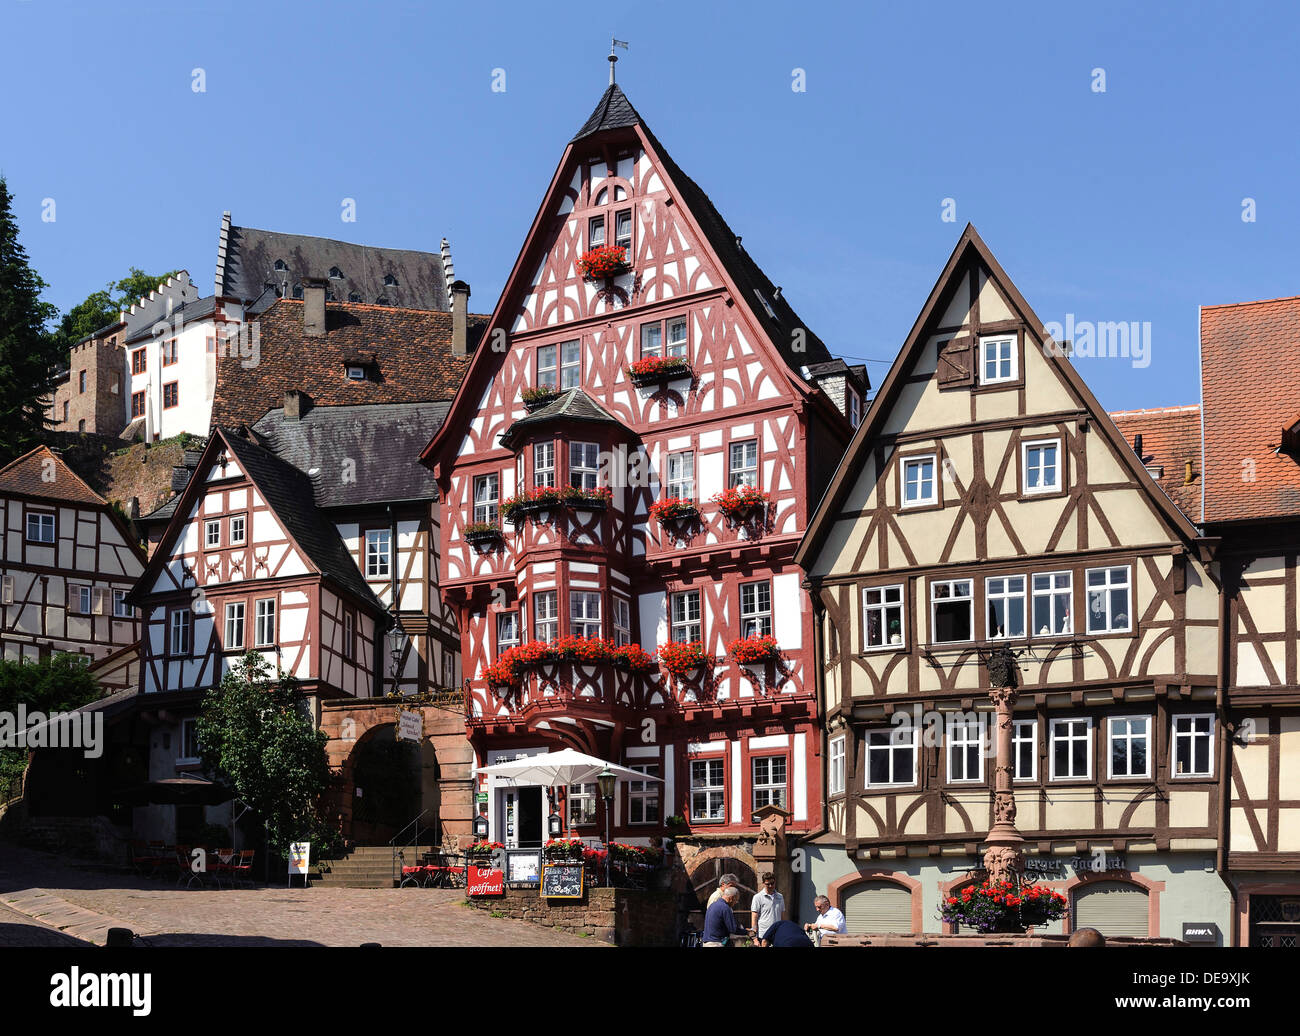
(740,503)
(532,654)
(633,658)
(651,369)
(481,851)
(1003,906)
(683,660)
(603,262)
(504,672)
(530,501)
(754,650)
(673,509)
(586,650)
(535,398)
(564,850)
(479,533)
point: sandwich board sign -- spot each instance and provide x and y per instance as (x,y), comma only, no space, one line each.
(299,856)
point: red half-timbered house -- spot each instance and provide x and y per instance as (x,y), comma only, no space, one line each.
(675,372)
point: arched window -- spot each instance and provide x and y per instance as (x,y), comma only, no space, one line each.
(1112,907)
(297,290)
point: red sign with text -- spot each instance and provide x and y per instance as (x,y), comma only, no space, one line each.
(486,881)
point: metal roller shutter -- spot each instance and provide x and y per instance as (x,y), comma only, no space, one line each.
(1113,908)
(878,907)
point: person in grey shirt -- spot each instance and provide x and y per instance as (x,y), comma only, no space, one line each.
(768,907)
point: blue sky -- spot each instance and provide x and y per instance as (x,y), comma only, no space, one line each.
(1122,205)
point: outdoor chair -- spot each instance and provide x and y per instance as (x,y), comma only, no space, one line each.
(241,868)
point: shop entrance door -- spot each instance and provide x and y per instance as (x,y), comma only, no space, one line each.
(521,811)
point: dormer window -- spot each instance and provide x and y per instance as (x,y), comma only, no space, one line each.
(297,290)
(335,273)
(390,281)
(281,266)
(354,296)
(356,374)
(382,300)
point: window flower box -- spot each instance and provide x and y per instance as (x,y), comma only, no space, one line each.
(683,660)
(536,398)
(585,650)
(533,654)
(633,658)
(754,650)
(741,503)
(586,499)
(481,533)
(601,263)
(563,850)
(673,509)
(644,855)
(482,851)
(503,672)
(654,369)
(1003,907)
(530,501)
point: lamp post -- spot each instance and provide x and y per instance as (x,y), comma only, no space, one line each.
(481,827)
(606,779)
(554,824)
(1004,859)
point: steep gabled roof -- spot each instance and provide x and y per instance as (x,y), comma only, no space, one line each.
(29,476)
(1250,391)
(1171,438)
(613,111)
(970,247)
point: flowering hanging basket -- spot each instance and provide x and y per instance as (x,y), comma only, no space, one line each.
(683,660)
(606,261)
(479,533)
(673,509)
(530,501)
(754,650)
(741,503)
(633,658)
(1003,906)
(653,369)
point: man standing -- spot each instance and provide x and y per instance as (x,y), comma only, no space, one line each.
(768,907)
(829,919)
(720,920)
(723,882)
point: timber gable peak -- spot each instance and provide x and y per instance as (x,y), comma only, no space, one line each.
(974,298)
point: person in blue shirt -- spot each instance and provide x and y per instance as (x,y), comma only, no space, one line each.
(720,920)
(787,933)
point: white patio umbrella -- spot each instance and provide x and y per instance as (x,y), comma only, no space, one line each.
(561,768)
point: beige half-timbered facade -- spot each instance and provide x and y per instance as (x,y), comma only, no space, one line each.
(988,501)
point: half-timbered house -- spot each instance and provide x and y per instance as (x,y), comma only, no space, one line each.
(678,373)
(67,564)
(988,501)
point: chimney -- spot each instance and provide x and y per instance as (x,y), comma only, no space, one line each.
(296,405)
(313,306)
(459,318)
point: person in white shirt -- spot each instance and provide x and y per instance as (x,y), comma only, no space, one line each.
(829,919)
(767,907)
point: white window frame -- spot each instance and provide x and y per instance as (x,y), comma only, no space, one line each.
(891,599)
(7,590)
(122,610)
(581,801)
(180,633)
(712,789)
(349,637)
(892,740)
(211,533)
(1025,467)
(1018,739)
(80,600)
(544,464)
(1189,737)
(619,238)
(1052,592)
(189,758)
(506,640)
(265,617)
(643,793)
(1052,740)
(546,615)
(594,241)
(622,622)
(952,598)
(570,354)
(236,618)
(755,619)
(1006,595)
(742,469)
(584,465)
(835,770)
(687,622)
(238,529)
(548,367)
(378,560)
(486,504)
(652,339)
(957,735)
(676,348)
(1128,738)
(584,614)
(1011,342)
(776,793)
(680,472)
(43,520)
(905,466)
(1105,589)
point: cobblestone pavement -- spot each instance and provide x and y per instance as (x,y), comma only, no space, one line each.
(43,896)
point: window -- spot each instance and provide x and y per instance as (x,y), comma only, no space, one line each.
(1052,593)
(265,632)
(686,617)
(965,736)
(65,411)
(40,527)
(281,265)
(918,482)
(676,327)
(623,229)
(1024,749)
(80,599)
(544,464)
(1130,739)
(681,475)
(1109,603)
(1006,603)
(169,395)
(137,404)
(882,615)
(378,547)
(170,352)
(235,626)
(122,610)
(582,804)
(569,370)
(769,781)
(81,382)
(81,425)
(507,631)
(390,281)
(891,756)
(138,362)
(1071,749)
(356,373)
(1039,463)
(652,338)
(191,752)
(755,609)
(349,638)
(1193,746)
(486,496)
(7,590)
(835,766)
(237,529)
(950,611)
(744,464)
(116,385)
(622,622)
(210,342)
(180,630)
(997,360)
(708,790)
(584,613)
(584,464)
(212,533)
(335,273)
(596,232)
(546,624)
(643,796)
(855,410)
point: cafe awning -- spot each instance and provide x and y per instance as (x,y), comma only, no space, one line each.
(561,768)
(179,791)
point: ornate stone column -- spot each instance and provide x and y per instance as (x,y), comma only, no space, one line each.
(1004,859)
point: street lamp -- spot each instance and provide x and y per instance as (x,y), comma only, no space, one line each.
(606,780)
(481,827)
(554,824)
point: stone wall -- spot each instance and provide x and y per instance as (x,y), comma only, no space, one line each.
(1006,941)
(623,917)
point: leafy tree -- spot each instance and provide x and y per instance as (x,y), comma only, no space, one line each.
(135,285)
(29,357)
(101,308)
(57,684)
(255,729)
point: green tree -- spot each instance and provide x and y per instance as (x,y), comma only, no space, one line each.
(101,308)
(29,358)
(256,730)
(57,684)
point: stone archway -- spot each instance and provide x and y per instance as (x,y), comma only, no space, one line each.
(705,866)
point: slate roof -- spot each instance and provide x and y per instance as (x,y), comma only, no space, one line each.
(1171,436)
(383,442)
(195,310)
(24,477)
(1250,391)
(613,111)
(572,405)
(247,257)
(414,361)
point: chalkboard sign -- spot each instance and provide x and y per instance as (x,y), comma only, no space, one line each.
(562,880)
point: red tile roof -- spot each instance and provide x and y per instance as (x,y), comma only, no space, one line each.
(42,473)
(1171,437)
(411,350)
(1250,389)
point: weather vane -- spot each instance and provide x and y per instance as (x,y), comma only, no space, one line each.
(613,58)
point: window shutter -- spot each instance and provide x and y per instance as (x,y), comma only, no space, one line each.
(1113,908)
(878,907)
(957,363)
(97,604)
